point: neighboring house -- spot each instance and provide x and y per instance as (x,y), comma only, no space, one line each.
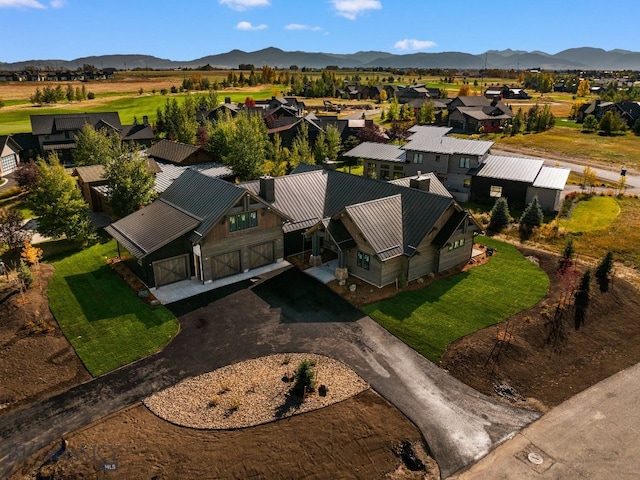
(9,154)
(628,111)
(178,153)
(519,180)
(510,93)
(89,177)
(475,113)
(57,132)
(206,228)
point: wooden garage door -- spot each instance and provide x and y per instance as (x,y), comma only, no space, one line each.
(171,270)
(260,255)
(225,264)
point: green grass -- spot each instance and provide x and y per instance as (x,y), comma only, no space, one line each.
(107,324)
(429,319)
(591,214)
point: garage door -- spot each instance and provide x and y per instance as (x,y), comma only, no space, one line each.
(225,264)
(260,255)
(8,164)
(171,270)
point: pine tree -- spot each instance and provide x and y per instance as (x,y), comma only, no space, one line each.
(499,215)
(532,217)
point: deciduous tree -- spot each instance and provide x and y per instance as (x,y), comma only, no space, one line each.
(93,146)
(247,146)
(131,183)
(584,88)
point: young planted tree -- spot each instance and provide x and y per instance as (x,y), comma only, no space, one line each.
(582,298)
(603,271)
(499,215)
(566,262)
(304,379)
(59,204)
(531,219)
(590,123)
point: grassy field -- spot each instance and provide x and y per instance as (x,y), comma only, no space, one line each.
(431,318)
(592,214)
(107,324)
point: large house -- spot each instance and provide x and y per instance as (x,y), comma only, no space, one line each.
(466,168)
(9,154)
(478,113)
(57,132)
(204,228)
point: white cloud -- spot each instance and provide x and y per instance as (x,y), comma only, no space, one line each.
(58,3)
(297,26)
(244,4)
(246,26)
(352,8)
(412,44)
(21,4)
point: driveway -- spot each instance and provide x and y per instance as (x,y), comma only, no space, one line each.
(287,312)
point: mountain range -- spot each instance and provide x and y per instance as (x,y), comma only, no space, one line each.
(585,58)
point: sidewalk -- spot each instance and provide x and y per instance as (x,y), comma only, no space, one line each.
(593,435)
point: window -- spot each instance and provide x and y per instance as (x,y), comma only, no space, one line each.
(456,244)
(437,158)
(243,220)
(495,191)
(384,172)
(371,170)
(363,260)
(465,162)
(398,172)
(466,183)
(8,163)
(417,158)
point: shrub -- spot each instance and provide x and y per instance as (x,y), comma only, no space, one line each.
(567,256)
(25,275)
(10,192)
(499,215)
(234,405)
(91,96)
(214,401)
(304,378)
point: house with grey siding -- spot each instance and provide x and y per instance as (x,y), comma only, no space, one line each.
(9,155)
(203,228)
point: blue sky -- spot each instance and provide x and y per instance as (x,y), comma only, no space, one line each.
(68,29)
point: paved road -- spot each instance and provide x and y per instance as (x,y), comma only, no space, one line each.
(593,435)
(286,312)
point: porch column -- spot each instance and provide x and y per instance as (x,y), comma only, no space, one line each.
(315,259)
(342,273)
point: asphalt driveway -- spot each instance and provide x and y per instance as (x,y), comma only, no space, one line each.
(286,312)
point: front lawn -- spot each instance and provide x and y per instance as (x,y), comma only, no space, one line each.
(107,324)
(591,214)
(429,319)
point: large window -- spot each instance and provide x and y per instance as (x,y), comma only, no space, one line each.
(363,260)
(466,183)
(371,170)
(384,172)
(243,220)
(456,244)
(417,158)
(398,172)
(465,162)
(495,191)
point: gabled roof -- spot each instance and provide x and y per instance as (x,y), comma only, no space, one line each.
(89,173)
(48,124)
(380,222)
(448,145)
(8,140)
(421,131)
(377,151)
(169,172)
(553,178)
(152,227)
(510,168)
(435,185)
(485,113)
(137,132)
(173,152)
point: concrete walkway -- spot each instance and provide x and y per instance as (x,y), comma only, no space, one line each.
(289,312)
(593,435)
(325,273)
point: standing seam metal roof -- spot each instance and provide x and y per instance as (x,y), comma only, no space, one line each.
(510,168)
(377,151)
(553,178)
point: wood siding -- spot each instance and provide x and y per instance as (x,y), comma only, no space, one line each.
(422,263)
(451,258)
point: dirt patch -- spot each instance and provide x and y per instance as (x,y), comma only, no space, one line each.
(530,360)
(36,360)
(363,437)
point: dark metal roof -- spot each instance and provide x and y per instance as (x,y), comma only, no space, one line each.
(510,168)
(377,151)
(202,196)
(552,177)
(341,236)
(137,132)
(173,152)
(47,124)
(169,172)
(449,228)
(435,185)
(380,222)
(90,173)
(306,167)
(151,228)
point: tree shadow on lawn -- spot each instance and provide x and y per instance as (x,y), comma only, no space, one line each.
(302,298)
(403,306)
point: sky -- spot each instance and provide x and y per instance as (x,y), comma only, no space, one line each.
(190,29)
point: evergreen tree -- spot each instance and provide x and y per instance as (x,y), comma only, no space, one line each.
(320,151)
(532,217)
(300,149)
(590,123)
(499,215)
(603,271)
(334,142)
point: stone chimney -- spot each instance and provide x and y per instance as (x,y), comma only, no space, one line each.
(267,188)
(420,182)
(145,120)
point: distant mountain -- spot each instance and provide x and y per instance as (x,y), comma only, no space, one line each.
(585,58)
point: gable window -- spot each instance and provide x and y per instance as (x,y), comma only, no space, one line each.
(495,191)
(456,244)
(363,260)
(465,162)
(417,158)
(243,220)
